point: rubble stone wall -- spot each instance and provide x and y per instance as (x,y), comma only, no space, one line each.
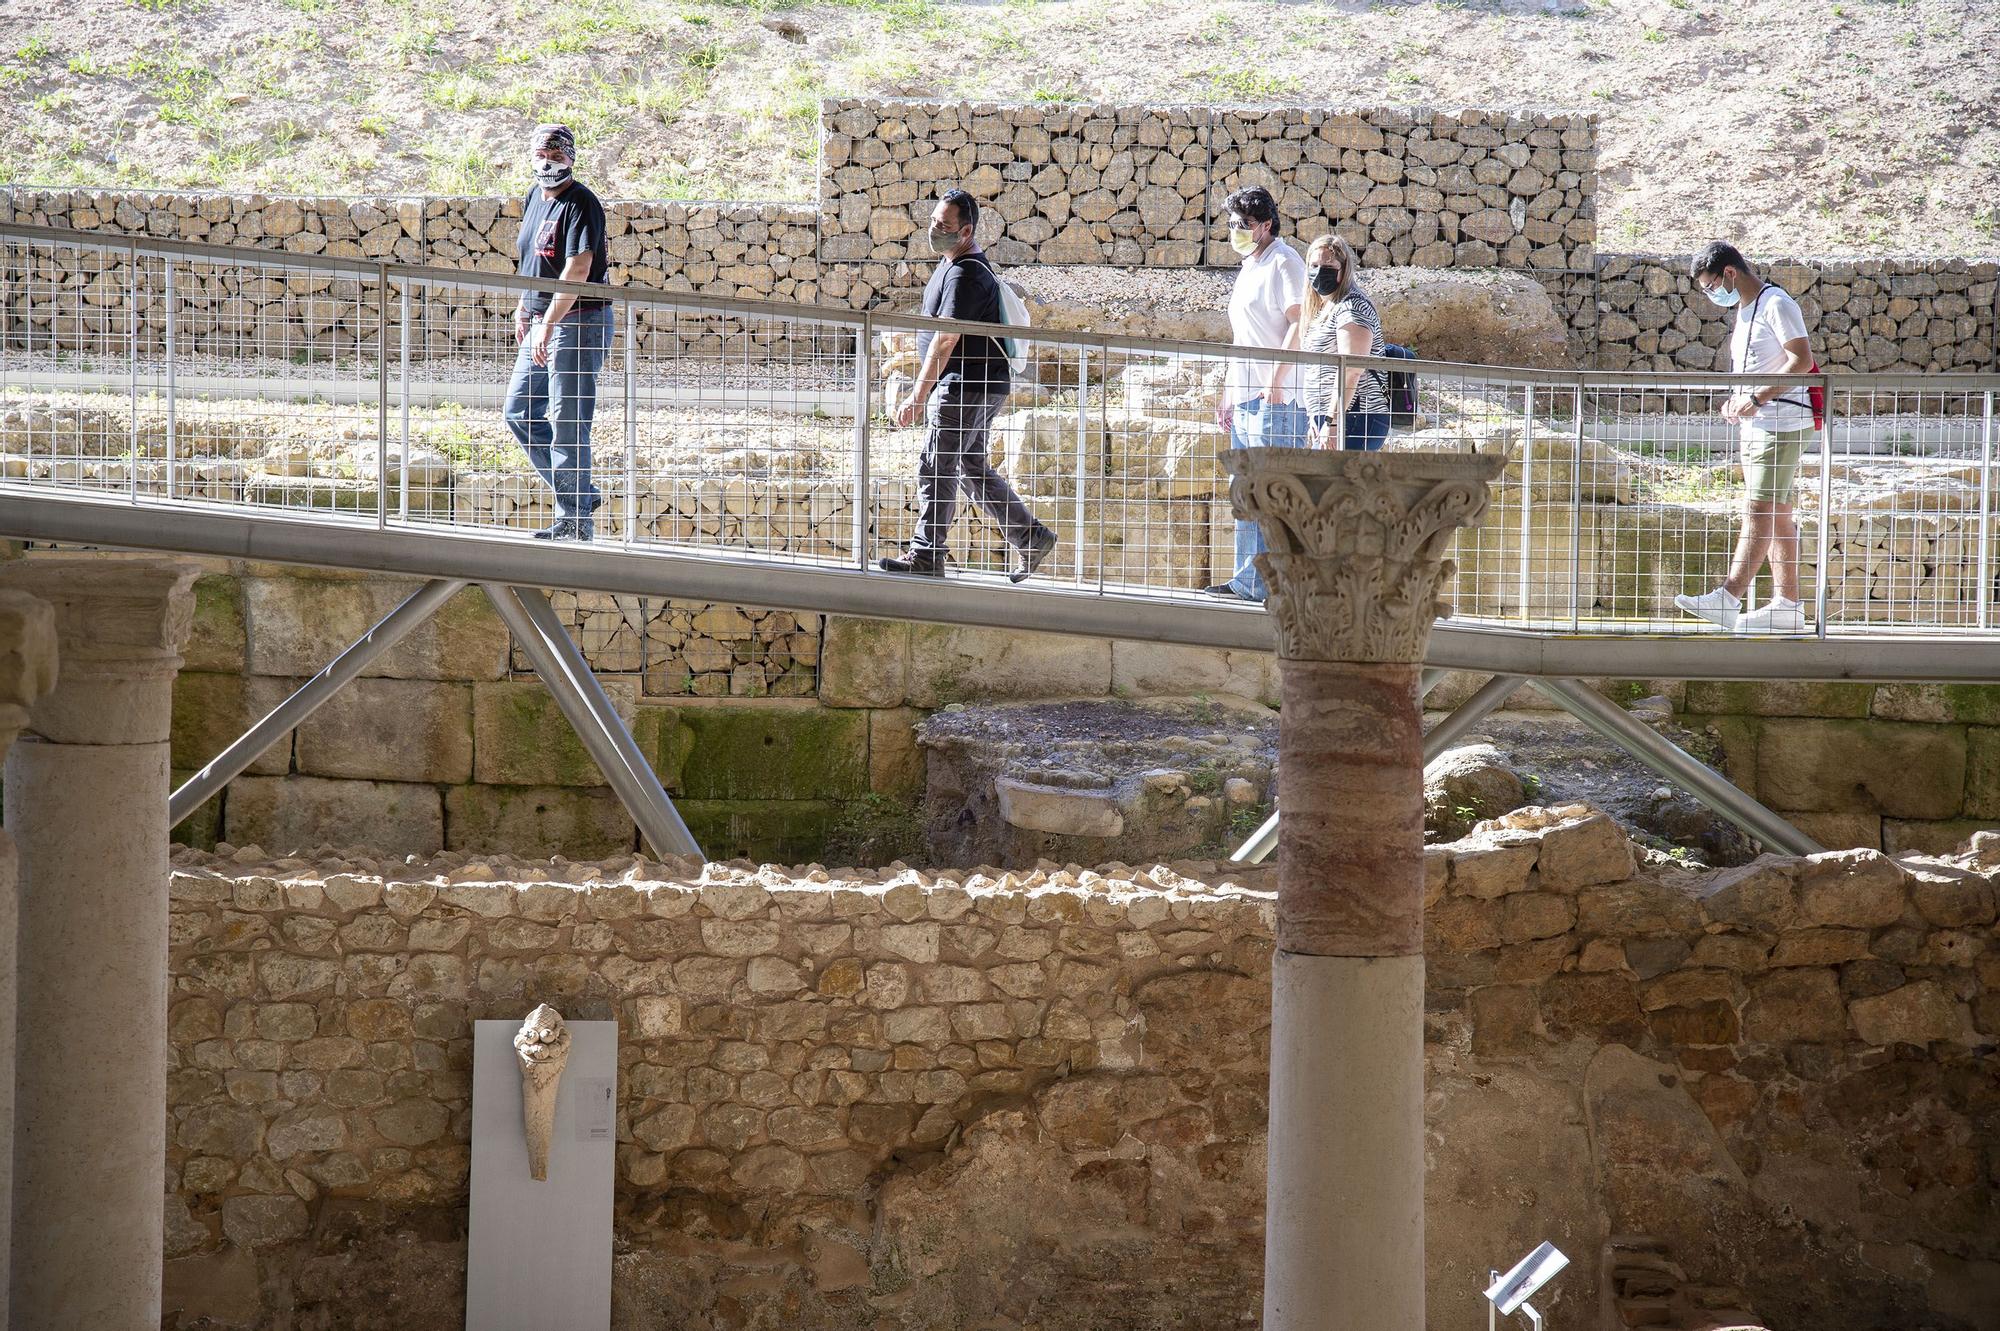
(1068,184)
(1864,315)
(736,250)
(906,1100)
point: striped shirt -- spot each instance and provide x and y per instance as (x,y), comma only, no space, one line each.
(1323,381)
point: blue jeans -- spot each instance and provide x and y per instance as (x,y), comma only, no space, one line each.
(1257,425)
(550,407)
(1366,431)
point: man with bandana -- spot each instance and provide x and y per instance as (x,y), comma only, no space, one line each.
(563,338)
(961,386)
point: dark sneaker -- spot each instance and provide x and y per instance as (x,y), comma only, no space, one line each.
(566,529)
(1225,591)
(1028,560)
(925,563)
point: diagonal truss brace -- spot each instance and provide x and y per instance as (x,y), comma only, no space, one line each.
(582,699)
(1613,723)
(226,766)
(555,658)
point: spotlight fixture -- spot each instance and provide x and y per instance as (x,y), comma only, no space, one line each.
(1509,1294)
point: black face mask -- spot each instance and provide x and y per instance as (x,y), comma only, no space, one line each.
(1326,279)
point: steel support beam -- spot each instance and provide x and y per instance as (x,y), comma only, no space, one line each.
(738,577)
(1676,765)
(582,700)
(1259,845)
(226,766)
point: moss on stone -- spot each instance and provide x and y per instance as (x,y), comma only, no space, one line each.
(767,752)
(202,828)
(780,831)
(217,639)
(876,830)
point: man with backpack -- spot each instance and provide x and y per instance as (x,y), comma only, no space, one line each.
(961,385)
(1776,423)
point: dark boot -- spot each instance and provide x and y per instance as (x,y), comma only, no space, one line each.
(925,563)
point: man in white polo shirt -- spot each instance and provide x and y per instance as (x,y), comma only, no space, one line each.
(1776,422)
(1257,407)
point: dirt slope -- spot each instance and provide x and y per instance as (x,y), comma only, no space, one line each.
(1848,126)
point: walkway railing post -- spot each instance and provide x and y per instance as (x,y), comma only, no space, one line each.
(403,340)
(382,397)
(171,489)
(1527,496)
(1576,559)
(132,332)
(863,496)
(1082,460)
(1982,564)
(631,384)
(1825,542)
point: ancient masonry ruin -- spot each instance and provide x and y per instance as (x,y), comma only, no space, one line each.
(1007,1096)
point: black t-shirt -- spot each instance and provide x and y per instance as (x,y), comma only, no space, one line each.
(968,289)
(553,230)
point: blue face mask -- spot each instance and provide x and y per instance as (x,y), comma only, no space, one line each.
(1721,295)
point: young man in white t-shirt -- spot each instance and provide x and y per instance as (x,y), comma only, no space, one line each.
(1777,423)
(1256,405)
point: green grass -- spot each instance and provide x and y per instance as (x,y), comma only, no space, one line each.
(33,51)
(1249,85)
(182,86)
(461,168)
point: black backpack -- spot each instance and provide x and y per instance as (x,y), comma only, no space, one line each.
(1401,388)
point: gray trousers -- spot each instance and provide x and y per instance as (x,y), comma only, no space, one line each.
(954,459)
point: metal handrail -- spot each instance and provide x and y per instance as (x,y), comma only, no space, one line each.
(846,316)
(1563,386)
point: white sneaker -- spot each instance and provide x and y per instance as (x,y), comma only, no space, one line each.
(1775,617)
(1718,607)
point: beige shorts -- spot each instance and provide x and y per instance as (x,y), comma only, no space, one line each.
(1771,462)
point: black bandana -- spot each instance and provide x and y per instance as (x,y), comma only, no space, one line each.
(553,138)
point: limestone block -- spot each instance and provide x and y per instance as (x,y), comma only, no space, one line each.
(216,641)
(775,752)
(296,624)
(521,738)
(1913,1014)
(1860,889)
(1904,770)
(211,711)
(1063,811)
(895,762)
(963,664)
(1761,895)
(391,730)
(864,662)
(284,814)
(1150,670)
(580,824)
(1583,852)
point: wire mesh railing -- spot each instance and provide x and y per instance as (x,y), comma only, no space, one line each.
(375,393)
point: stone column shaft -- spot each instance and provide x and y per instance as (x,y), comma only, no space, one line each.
(86,801)
(1356,560)
(27,671)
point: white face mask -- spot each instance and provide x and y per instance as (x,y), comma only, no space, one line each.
(1243,242)
(1721,295)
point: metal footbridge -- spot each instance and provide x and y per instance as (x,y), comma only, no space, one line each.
(338,412)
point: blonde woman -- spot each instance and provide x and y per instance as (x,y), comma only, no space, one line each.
(1339,318)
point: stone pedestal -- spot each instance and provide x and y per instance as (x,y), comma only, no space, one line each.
(1356,557)
(86,802)
(27,671)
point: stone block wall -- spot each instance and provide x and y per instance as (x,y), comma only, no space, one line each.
(1864,315)
(1079,184)
(1906,767)
(913,1100)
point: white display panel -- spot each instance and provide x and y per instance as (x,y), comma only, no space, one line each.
(539,1254)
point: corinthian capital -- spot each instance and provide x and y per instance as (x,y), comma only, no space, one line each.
(1356,543)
